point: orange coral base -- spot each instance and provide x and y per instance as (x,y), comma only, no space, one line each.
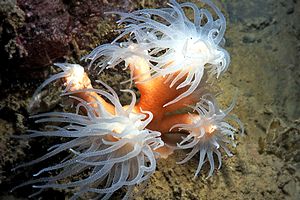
(155,93)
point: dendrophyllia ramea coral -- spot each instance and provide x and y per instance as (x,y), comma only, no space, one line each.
(173,61)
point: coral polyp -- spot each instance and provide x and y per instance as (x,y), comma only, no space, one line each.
(208,133)
(71,72)
(172,61)
(173,46)
(74,79)
(116,148)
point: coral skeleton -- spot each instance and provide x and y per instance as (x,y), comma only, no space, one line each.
(173,61)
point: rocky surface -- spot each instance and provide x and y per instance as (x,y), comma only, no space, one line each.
(263,38)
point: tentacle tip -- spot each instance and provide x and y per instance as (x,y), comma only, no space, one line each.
(209,175)
(179,162)
(37,174)
(13,169)
(230,154)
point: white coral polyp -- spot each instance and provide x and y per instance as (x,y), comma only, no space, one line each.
(115,150)
(175,45)
(110,55)
(72,73)
(208,133)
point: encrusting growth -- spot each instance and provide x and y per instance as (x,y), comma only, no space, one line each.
(172,61)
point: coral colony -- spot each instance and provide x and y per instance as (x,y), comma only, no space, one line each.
(173,61)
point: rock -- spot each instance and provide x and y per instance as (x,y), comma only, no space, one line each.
(290,187)
(249,39)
